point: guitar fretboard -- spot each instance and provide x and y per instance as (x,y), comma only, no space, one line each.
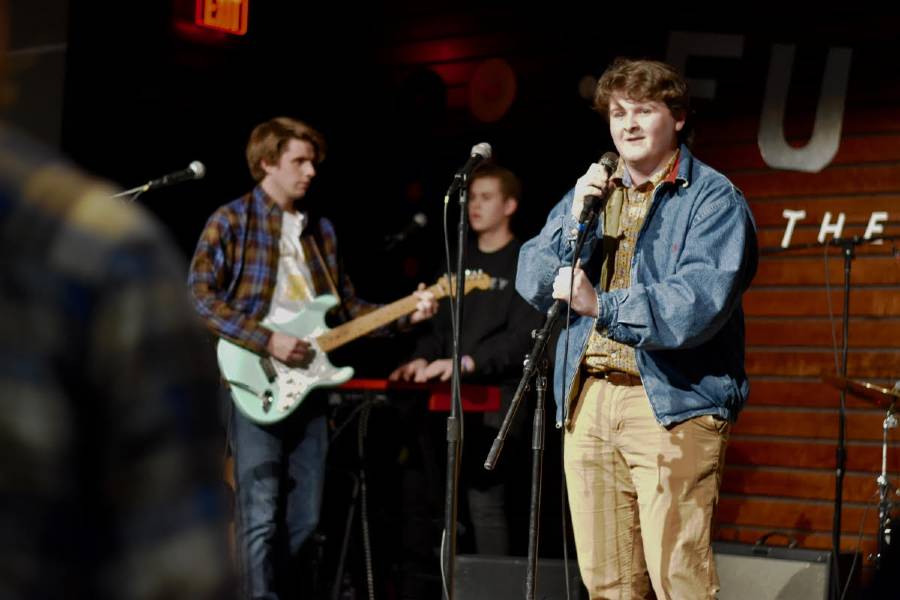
(369,322)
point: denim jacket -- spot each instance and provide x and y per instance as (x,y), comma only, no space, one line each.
(695,255)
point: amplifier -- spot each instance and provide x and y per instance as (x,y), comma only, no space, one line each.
(757,572)
(746,572)
(481,577)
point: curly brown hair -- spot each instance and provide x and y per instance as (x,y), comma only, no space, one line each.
(642,80)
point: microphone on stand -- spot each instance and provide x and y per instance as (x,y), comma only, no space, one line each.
(418,222)
(195,170)
(478,154)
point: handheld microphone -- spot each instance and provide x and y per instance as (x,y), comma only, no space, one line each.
(195,170)
(608,161)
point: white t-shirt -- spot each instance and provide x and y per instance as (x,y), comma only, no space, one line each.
(293,284)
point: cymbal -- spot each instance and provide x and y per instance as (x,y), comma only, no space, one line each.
(882,397)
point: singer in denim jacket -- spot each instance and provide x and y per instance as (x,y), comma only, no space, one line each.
(653,374)
(694,257)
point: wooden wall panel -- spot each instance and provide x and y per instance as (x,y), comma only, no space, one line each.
(853,150)
(766,301)
(778,513)
(797,483)
(808,423)
(780,463)
(798,393)
(816,331)
(791,362)
(765,451)
(852,179)
(790,270)
(742,128)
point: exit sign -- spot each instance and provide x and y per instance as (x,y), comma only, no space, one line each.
(223,15)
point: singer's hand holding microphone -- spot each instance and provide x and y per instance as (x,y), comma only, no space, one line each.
(591,191)
(594,185)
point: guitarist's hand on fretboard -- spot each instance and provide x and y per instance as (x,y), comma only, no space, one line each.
(426,307)
(290,350)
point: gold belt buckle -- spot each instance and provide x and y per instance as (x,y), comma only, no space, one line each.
(622,378)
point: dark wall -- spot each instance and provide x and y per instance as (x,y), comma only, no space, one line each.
(35,67)
(142,99)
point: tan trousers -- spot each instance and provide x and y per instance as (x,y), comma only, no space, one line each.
(642,496)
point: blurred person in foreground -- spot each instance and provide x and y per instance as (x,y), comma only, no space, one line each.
(110,483)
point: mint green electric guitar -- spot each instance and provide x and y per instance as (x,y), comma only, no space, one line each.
(266,390)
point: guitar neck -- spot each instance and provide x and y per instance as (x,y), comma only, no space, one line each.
(360,326)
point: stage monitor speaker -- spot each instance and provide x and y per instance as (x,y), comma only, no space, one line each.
(746,572)
(752,572)
(480,577)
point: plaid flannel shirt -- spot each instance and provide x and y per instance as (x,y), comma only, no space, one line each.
(233,271)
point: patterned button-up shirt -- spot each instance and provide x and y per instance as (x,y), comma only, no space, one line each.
(604,354)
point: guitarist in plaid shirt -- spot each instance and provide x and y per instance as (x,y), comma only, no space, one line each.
(259,257)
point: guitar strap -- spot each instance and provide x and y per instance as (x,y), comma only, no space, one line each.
(314,243)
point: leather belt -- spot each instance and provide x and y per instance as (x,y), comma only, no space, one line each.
(618,378)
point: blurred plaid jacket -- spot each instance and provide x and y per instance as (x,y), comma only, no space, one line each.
(110,483)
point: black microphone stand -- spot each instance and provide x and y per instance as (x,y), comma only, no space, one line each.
(537,476)
(535,360)
(454,421)
(131,195)
(848,251)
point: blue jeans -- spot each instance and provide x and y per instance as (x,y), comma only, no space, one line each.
(279,473)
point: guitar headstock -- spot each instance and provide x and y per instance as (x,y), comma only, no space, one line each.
(475,280)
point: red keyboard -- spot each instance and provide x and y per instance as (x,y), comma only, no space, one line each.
(476,398)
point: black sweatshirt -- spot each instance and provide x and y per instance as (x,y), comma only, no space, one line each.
(497,323)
